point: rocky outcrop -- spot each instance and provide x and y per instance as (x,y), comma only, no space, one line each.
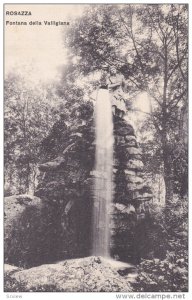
(130,186)
(63,182)
(68,179)
(90,274)
(123,223)
(55,224)
(130,194)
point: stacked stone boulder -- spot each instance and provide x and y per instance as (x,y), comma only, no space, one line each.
(63,183)
(131,194)
(69,179)
(128,166)
(66,184)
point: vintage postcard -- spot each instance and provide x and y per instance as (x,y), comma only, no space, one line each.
(96,148)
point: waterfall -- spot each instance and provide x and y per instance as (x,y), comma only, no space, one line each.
(103,183)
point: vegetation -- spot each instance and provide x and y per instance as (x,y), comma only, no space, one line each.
(148,44)
(165,266)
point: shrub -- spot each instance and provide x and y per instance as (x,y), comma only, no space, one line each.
(169,273)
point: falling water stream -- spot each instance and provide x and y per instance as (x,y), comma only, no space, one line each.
(103,183)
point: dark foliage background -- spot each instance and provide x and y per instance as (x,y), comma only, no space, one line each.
(149,45)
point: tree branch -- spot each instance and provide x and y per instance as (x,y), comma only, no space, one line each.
(177,45)
(178,98)
(177,65)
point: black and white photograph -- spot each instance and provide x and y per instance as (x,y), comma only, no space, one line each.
(96,148)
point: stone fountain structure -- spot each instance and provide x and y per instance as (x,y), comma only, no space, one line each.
(67,181)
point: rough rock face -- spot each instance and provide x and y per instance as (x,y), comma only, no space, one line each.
(131,195)
(67,181)
(123,226)
(91,274)
(63,182)
(130,187)
(57,225)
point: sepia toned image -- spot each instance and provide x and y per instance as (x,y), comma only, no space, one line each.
(96,148)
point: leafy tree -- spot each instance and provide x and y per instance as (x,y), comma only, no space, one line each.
(148,44)
(29,113)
